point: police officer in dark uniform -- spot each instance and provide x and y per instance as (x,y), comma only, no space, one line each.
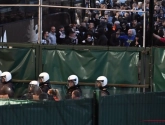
(33,91)
(101,83)
(6,86)
(44,82)
(72,85)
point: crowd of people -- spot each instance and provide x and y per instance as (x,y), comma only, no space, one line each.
(41,89)
(106,28)
(111,28)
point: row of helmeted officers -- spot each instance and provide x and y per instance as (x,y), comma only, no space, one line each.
(42,90)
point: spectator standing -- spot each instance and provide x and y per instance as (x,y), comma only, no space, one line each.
(52,36)
(45,38)
(127,39)
(61,35)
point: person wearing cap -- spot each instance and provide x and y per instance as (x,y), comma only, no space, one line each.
(101,83)
(6,85)
(44,82)
(72,86)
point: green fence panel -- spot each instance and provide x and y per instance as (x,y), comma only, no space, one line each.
(70,112)
(118,67)
(20,62)
(132,109)
(159,69)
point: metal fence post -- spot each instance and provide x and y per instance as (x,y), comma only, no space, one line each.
(40,59)
(96,96)
(37,53)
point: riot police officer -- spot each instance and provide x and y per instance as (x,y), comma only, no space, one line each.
(6,86)
(33,91)
(101,83)
(72,85)
(44,82)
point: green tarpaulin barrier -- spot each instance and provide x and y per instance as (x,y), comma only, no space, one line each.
(118,67)
(20,62)
(132,109)
(159,69)
(70,112)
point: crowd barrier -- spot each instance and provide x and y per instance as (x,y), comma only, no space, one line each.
(125,109)
(132,109)
(67,112)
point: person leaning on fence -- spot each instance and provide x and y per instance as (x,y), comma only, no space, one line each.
(54,94)
(161,39)
(76,94)
(44,82)
(6,86)
(72,86)
(101,83)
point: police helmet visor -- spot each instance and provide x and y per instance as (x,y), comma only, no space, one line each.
(99,81)
(71,83)
(73,80)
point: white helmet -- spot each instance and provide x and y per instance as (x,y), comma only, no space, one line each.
(74,78)
(103,80)
(44,76)
(7,76)
(97,2)
(34,83)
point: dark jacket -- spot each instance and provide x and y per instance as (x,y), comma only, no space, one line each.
(104,91)
(45,86)
(71,89)
(7,88)
(60,40)
(69,41)
(102,41)
(114,41)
